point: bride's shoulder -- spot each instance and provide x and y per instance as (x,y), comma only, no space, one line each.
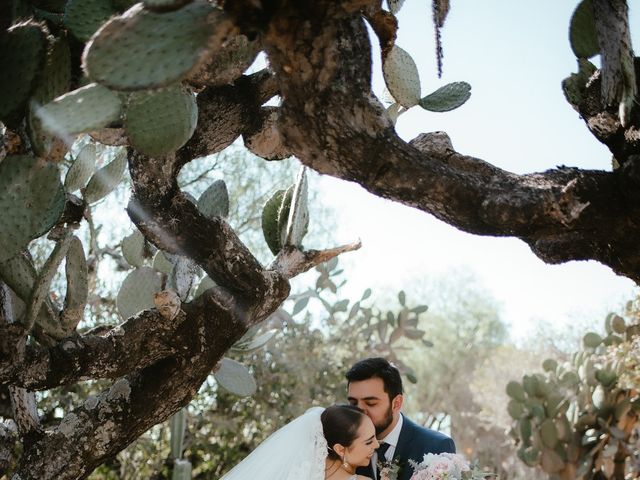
(360,477)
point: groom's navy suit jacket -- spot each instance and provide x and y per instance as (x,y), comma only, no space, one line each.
(414,442)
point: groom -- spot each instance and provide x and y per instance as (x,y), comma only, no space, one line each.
(375,386)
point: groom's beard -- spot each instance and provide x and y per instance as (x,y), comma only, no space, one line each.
(382,426)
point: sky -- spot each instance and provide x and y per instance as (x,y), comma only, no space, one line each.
(515,55)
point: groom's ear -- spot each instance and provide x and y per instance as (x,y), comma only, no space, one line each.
(396,403)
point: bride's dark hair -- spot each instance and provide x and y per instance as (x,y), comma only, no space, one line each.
(340,424)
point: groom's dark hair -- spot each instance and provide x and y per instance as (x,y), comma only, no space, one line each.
(377,367)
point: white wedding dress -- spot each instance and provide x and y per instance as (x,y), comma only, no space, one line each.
(295,452)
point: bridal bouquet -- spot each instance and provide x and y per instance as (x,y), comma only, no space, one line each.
(445,466)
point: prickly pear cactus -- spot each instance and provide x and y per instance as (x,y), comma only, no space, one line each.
(298,215)
(106,179)
(160,122)
(582,31)
(88,108)
(31,199)
(448,97)
(402,77)
(22,55)
(75,299)
(137,290)
(133,249)
(574,420)
(53,82)
(161,48)
(235,377)
(84,17)
(81,169)
(214,201)
(270,229)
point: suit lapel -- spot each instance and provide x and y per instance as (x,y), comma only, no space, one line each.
(404,440)
(401,455)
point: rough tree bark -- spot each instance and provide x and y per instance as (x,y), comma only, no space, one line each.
(320,60)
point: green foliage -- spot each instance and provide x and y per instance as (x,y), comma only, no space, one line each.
(75,299)
(160,122)
(22,55)
(83,110)
(582,31)
(106,178)
(54,81)
(270,224)
(84,17)
(577,419)
(137,290)
(31,199)
(81,169)
(402,77)
(448,97)
(235,377)
(214,201)
(161,48)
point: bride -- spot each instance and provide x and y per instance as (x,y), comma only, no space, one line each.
(322,444)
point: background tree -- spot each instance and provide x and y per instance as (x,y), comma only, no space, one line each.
(129,80)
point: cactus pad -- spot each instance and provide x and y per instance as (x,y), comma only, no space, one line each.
(84,17)
(161,264)
(54,81)
(77,286)
(270,228)
(22,55)
(31,199)
(106,179)
(582,31)
(136,292)
(133,249)
(394,5)
(214,201)
(298,218)
(401,76)
(178,426)
(42,287)
(87,108)
(161,48)
(234,377)
(81,169)
(158,123)
(448,97)
(164,5)
(19,274)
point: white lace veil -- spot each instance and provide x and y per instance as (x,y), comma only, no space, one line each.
(295,452)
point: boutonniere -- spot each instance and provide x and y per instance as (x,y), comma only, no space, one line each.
(389,470)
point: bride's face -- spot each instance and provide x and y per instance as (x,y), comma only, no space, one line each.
(361,449)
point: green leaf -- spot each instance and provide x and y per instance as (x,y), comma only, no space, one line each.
(160,122)
(448,97)
(402,298)
(300,305)
(214,201)
(106,179)
(81,169)
(31,200)
(159,48)
(137,291)
(394,5)
(401,76)
(88,108)
(235,377)
(582,31)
